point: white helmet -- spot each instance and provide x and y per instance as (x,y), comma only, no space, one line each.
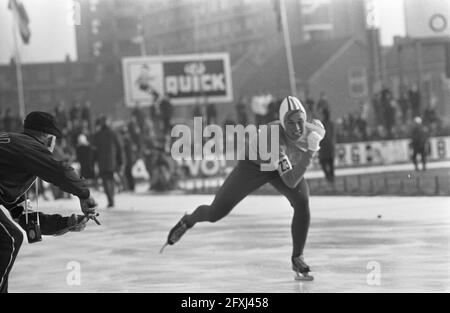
(291,104)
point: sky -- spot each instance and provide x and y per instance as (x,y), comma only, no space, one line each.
(390,16)
(53,37)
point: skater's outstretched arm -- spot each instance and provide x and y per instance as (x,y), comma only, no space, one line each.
(292,175)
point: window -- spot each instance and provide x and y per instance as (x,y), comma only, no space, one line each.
(238,26)
(226,28)
(5,80)
(95,25)
(79,73)
(43,74)
(202,33)
(212,6)
(44,98)
(93,5)
(97,48)
(249,24)
(223,4)
(214,30)
(126,23)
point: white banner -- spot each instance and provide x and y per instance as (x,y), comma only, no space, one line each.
(387,152)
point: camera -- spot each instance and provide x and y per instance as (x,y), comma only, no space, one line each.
(33,231)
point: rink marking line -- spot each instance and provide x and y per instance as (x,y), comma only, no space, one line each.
(12,253)
(315,174)
(376,169)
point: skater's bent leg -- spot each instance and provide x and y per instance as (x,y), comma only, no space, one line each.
(332,170)
(242,181)
(108,186)
(299,199)
(414,159)
(423,157)
(207,213)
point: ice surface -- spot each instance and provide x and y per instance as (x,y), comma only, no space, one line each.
(249,251)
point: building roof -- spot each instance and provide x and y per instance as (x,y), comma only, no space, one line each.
(308,58)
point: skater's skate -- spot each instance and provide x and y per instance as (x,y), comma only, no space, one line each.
(301,269)
(176,232)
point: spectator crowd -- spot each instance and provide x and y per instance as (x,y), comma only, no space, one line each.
(383,118)
(109,150)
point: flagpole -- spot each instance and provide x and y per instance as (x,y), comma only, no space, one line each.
(287,45)
(18,69)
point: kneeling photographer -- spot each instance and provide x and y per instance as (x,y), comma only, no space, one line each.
(23,158)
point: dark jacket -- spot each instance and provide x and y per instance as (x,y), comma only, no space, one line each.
(22,159)
(108,150)
(166,108)
(86,158)
(328,142)
(130,150)
(419,137)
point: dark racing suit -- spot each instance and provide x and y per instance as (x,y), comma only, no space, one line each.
(23,158)
(247,177)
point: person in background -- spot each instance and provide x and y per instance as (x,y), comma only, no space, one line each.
(108,156)
(241,112)
(404,105)
(197,111)
(166,109)
(86,157)
(75,112)
(310,104)
(430,115)
(419,139)
(388,111)
(86,115)
(260,108)
(61,116)
(211,114)
(272,110)
(415,101)
(327,145)
(322,104)
(130,152)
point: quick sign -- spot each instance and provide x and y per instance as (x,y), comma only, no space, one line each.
(186,79)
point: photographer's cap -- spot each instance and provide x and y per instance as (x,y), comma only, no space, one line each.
(43,122)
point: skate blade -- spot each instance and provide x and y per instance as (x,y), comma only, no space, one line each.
(303,277)
(163,247)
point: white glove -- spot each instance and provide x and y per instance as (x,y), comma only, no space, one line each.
(314,140)
(316,126)
(317,132)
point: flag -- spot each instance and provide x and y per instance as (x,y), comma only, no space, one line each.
(22,19)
